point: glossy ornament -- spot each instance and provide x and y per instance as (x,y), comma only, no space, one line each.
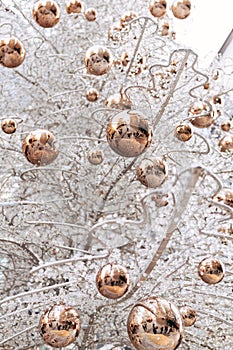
(38,147)
(46,13)
(98,60)
(226,143)
(184,132)
(225,196)
(129,133)
(181,8)
(112,281)
(90,14)
(226,125)
(202,114)
(95,157)
(155,324)
(158,8)
(152,173)
(92,95)
(9,126)
(119,101)
(189,315)
(59,326)
(211,270)
(12,52)
(74,6)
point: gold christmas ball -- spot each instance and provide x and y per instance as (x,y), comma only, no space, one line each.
(74,6)
(59,326)
(152,173)
(155,324)
(158,8)
(181,8)
(127,17)
(95,157)
(112,281)
(90,14)
(9,126)
(129,133)
(46,13)
(92,95)
(202,115)
(38,147)
(98,60)
(211,270)
(226,143)
(189,315)
(12,52)
(226,125)
(225,195)
(184,132)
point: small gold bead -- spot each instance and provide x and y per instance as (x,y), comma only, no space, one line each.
(226,125)
(46,13)
(74,6)
(158,8)
(152,173)
(189,315)
(112,281)
(92,95)
(203,114)
(98,60)
(127,17)
(226,143)
(181,8)
(95,157)
(90,14)
(12,52)
(211,270)
(184,132)
(9,126)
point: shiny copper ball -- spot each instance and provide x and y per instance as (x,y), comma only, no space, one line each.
(127,17)
(112,281)
(74,6)
(225,196)
(226,143)
(12,52)
(119,101)
(46,13)
(152,173)
(98,60)
(59,326)
(181,8)
(90,14)
(155,324)
(202,114)
(95,157)
(184,132)
(226,125)
(38,147)
(92,95)
(129,133)
(9,126)
(211,270)
(158,8)
(189,315)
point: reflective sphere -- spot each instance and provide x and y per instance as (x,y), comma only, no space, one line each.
(9,126)
(74,6)
(158,8)
(184,132)
(112,281)
(12,52)
(38,147)
(181,8)
(226,125)
(90,14)
(95,157)
(92,95)
(225,195)
(46,13)
(211,270)
(152,173)
(189,315)
(155,324)
(119,101)
(226,143)
(129,133)
(98,60)
(202,113)
(59,326)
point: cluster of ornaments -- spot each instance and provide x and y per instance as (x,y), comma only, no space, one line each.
(153,323)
